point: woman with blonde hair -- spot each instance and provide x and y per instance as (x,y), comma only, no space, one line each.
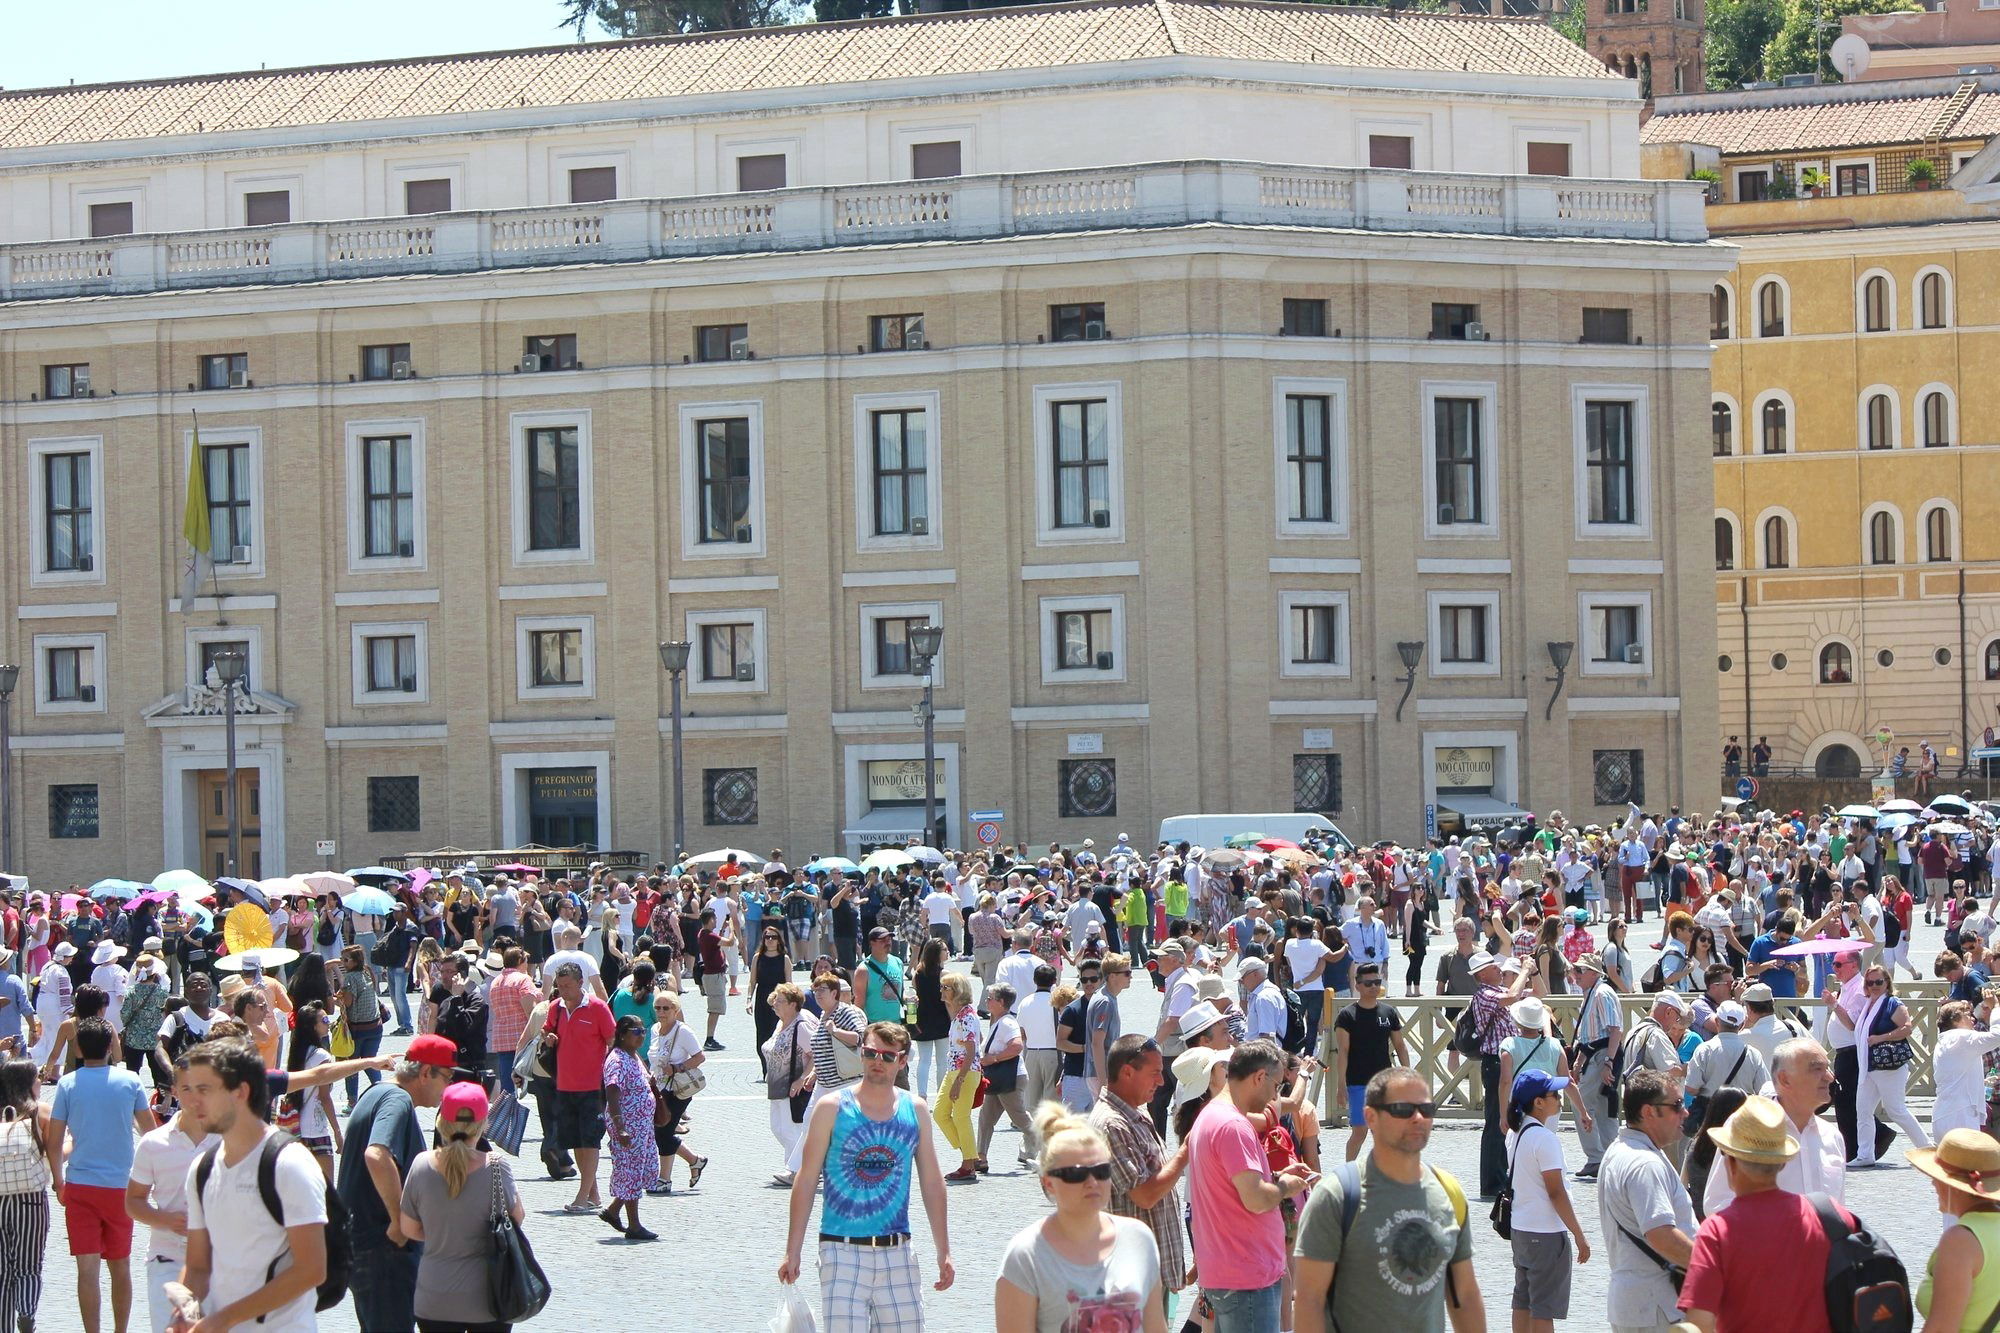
(788,1066)
(430,959)
(953,1111)
(672,1056)
(448,1203)
(1081,1266)
(1958,1066)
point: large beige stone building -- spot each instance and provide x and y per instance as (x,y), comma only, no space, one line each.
(1183,361)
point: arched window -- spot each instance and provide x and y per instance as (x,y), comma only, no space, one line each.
(1937,535)
(1931,304)
(1770,311)
(1777,544)
(1776,436)
(1837,761)
(1725,543)
(1718,314)
(1881,424)
(1721,429)
(1937,418)
(1836,665)
(1882,538)
(1875,304)
(1992,667)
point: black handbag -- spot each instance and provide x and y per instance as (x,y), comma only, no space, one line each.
(516,1283)
(797,1100)
(1003,1076)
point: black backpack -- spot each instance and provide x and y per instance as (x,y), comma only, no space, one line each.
(463,1019)
(1295,1021)
(339,1245)
(1867,1287)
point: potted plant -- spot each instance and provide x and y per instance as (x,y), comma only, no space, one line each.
(1921,174)
(1710,177)
(1781,185)
(1814,180)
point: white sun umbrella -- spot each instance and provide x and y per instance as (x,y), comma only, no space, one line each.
(1226,858)
(887,858)
(722,854)
(186,886)
(1900,806)
(1949,828)
(1857,811)
(930,856)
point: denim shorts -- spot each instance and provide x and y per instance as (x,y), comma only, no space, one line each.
(1252,1310)
(1357,1097)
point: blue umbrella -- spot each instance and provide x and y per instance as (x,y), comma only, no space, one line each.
(121,889)
(378,872)
(369,902)
(832,865)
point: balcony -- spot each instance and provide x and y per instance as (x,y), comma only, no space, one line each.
(1149,195)
(1901,207)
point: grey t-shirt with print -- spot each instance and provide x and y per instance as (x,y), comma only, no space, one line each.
(1390,1266)
(1067,1295)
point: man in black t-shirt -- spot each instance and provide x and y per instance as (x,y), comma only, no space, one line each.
(1070,1037)
(1364,1033)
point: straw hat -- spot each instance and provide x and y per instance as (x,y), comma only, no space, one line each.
(1966,1160)
(1756,1133)
(1211,987)
(1530,1013)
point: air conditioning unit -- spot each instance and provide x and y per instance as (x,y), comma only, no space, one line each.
(1447,515)
(86,563)
(1634,654)
(406,549)
(739,351)
(86,694)
(239,555)
(1475,332)
(746,671)
(79,383)
(743,534)
(239,379)
(920,526)
(918,345)
(399,371)
(1100,518)
(409,684)
(530,363)
(1104,661)
(1093,329)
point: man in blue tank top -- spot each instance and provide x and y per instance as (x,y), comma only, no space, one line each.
(864,1139)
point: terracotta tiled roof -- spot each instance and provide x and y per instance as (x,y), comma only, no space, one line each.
(1806,127)
(1034,37)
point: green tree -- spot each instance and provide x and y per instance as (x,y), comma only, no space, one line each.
(655,18)
(1738,32)
(1569,22)
(1799,46)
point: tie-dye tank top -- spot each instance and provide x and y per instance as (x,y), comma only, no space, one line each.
(867,1174)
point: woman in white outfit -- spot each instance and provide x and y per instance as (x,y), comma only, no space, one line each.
(1885,1020)
(54,999)
(788,1063)
(1959,1067)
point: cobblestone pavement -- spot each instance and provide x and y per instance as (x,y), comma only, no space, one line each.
(715,1264)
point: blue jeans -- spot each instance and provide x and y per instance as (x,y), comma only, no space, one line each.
(367,1041)
(1244,1311)
(399,995)
(500,1071)
(384,1285)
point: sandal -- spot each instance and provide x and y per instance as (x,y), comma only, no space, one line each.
(694,1172)
(610,1218)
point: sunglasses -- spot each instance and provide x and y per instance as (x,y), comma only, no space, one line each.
(1091,979)
(880,1056)
(1674,1107)
(1407,1110)
(1871,985)
(1076,1175)
(1369,981)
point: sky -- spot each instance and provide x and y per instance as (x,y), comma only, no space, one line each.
(104,41)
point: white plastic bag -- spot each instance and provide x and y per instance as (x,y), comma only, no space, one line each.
(795,1314)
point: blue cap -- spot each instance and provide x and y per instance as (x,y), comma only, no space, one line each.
(1532,1083)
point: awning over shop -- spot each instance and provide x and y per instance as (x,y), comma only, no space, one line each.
(1481,811)
(888,822)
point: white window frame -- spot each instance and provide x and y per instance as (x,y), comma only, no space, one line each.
(1751,445)
(395,175)
(525,689)
(871,675)
(1641,399)
(1046,396)
(691,548)
(1335,392)
(1791,523)
(239,184)
(1896,525)
(99,677)
(729,147)
(1861,302)
(358,636)
(260,535)
(1735,309)
(1736,449)
(1735,540)
(1853,661)
(1861,417)
(1587,601)
(1417,129)
(1342,666)
(82,199)
(39,573)
(251,635)
(1757,306)
(865,406)
(1435,600)
(1488,394)
(357,500)
(1923,536)
(1736,183)
(562,161)
(518,426)
(1048,608)
(904,137)
(1573,133)
(760,651)
(1874,181)
(1950,291)
(1950,416)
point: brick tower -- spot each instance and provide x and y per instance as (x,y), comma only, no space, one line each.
(1657,42)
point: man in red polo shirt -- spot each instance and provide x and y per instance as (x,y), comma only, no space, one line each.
(584,1029)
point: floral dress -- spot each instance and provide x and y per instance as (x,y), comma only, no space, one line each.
(634,1166)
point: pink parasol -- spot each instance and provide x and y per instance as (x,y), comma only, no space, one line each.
(1805,947)
(1274,844)
(150,896)
(419,878)
(517,868)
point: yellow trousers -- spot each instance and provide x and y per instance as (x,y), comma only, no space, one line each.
(954,1114)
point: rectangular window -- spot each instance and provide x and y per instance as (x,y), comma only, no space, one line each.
(73,810)
(723,479)
(226,473)
(1607,324)
(729,796)
(394,805)
(1316,635)
(1082,469)
(1396,151)
(556,657)
(592,185)
(935,161)
(1316,783)
(209,651)
(1309,455)
(111,219)
(1083,640)
(763,171)
(392,663)
(901,492)
(1452,319)
(267,208)
(1304,318)
(69,675)
(68,541)
(389,491)
(555,494)
(1609,462)
(385,361)
(225,370)
(1752,186)
(431,196)
(1614,634)
(721,342)
(892,644)
(728,652)
(1462,634)
(550,351)
(1854,178)
(70,381)
(1087,788)
(1460,487)
(1548,159)
(1618,777)
(1076,322)
(896,333)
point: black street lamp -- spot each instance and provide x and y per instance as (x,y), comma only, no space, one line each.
(1559,655)
(1411,652)
(674,657)
(10,676)
(925,640)
(229,666)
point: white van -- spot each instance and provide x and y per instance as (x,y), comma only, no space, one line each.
(1214,830)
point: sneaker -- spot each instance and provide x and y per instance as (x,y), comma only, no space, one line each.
(660,1188)
(694,1172)
(713,1045)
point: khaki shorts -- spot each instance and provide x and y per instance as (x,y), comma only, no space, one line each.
(715,985)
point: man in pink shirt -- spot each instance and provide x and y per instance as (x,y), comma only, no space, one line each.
(1239,1235)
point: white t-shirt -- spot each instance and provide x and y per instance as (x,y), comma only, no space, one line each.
(1038,1020)
(312,1106)
(561,956)
(1304,956)
(160,1162)
(938,907)
(244,1239)
(675,1046)
(1533,1149)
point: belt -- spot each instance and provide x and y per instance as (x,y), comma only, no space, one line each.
(872,1242)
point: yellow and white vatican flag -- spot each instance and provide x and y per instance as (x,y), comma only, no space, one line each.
(199,562)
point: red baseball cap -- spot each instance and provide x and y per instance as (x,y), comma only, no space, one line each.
(431,1049)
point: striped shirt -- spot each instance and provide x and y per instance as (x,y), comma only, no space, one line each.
(849,1019)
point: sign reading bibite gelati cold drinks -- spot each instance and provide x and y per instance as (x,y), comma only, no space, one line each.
(1464,768)
(897,781)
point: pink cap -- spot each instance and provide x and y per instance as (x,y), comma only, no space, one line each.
(463,1101)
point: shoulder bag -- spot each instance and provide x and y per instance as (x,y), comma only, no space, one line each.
(797,1100)
(1889,1054)
(846,1059)
(1003,1077)
(516,1284)
(687,1082)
